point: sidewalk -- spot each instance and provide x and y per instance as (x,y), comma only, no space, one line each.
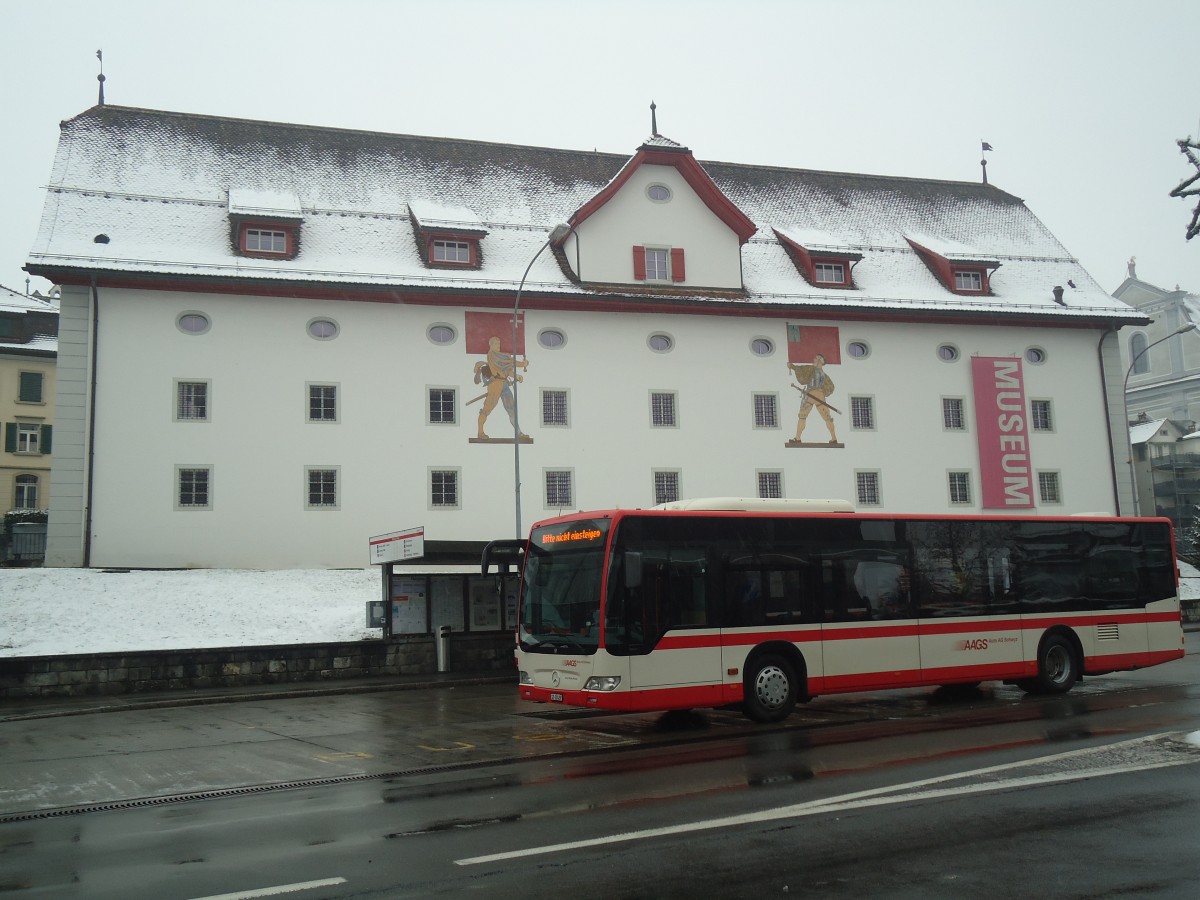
(42,708)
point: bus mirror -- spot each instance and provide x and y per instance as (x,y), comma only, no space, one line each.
(633,569)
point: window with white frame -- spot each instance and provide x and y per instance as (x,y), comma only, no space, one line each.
(451,251)
(443,406)
(952,414)
(866,488)
(321,484)
(666,486)
(968,280)
(1049,489)
(658,264)
(554,407)
(1040,417)
(766,410)
(959,484)
(191,401)
(662,409)
(193,487)
(444,489)
(322,403)
(264,240)
(29,438)
(25,492)
(560,492)
(862,413)
(770,484)
(830,273)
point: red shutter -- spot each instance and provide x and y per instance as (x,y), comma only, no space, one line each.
(677,270)
(639,263)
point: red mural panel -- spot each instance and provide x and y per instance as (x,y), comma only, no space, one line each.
(1005,470)
(806,341)
(483,326)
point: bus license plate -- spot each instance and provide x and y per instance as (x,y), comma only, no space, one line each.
(556,698)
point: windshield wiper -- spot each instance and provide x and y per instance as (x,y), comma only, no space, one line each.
(560,642)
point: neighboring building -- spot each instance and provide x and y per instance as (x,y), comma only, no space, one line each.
(1166,469)
(28,347)
(280,340)
(1162,370)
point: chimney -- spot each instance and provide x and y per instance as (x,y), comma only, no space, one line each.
(1058,292)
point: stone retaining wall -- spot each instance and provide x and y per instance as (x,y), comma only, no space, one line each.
(167,670)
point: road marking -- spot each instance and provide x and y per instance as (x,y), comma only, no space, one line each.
(349,754)
(912,791)
(459,745)
(277,889)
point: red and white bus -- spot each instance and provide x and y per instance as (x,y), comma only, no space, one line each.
(762,604)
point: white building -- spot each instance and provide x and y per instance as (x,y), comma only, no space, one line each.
(275,341)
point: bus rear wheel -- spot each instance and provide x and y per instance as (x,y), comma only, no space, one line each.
(1058,668)
(771,689)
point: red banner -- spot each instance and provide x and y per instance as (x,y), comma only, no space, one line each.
(806,341)
(1005,470)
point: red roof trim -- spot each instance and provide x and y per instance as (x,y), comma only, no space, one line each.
(693,173)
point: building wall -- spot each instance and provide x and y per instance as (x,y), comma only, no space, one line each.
(630,218)
(13,410)
(258,359)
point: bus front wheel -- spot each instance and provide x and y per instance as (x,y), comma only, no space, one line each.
(1058,668)
(771,689)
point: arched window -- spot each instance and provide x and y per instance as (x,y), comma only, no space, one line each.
(26,492)
(1137,345)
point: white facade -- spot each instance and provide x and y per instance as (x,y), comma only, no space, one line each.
(899,344)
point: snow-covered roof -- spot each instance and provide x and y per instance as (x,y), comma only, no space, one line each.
(28,338)
(159,185)
(269,204)
(435,216)
(1143,431)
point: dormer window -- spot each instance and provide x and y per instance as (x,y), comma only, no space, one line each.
(819,258)
(962,269)
(659,264)
(449,237)
(265,224)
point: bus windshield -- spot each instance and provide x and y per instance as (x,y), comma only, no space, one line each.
(560,593)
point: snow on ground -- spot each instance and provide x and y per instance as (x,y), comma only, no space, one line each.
(55,611)
(47,612)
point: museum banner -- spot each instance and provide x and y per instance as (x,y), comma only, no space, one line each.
(1002,424)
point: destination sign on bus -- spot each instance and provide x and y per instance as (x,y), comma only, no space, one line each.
(569,535)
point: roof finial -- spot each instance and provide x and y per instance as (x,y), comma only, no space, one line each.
(100,77)
(983,161)
(653,120)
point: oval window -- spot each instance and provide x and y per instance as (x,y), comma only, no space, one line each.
(762,347)
(660,343)
(858,350)
(1035,355)
(947,353)
(442,334)
(323,329)
(193,323)
(551,338)
(659,193)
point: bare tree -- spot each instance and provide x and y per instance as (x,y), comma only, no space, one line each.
(1186,146)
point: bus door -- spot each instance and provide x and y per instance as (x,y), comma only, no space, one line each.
(667,620)
(870,633)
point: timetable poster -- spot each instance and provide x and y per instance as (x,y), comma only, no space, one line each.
(409,607)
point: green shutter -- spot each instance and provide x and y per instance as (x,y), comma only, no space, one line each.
(44,444)
(10,437)
(31,387)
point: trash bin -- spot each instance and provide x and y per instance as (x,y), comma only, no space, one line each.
(443,648)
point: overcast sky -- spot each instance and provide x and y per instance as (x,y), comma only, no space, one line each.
(1083,100)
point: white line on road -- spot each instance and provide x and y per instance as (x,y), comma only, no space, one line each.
(873,797)
(277,889)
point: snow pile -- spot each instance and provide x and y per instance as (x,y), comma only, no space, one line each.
(60,611)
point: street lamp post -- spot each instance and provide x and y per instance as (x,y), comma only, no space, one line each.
(557,234)
(1182,329)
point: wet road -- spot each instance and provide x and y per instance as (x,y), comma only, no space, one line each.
(434,793)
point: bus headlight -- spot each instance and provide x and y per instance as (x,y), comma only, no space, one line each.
(602,683)
(523,677)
